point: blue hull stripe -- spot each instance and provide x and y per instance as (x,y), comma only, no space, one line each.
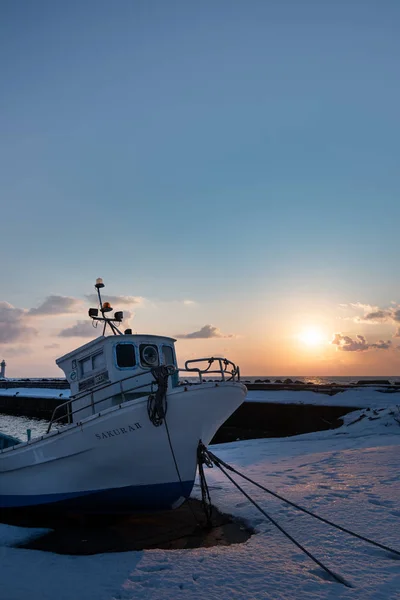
(143,497)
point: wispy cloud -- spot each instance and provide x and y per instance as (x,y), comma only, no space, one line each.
(208,331)
(82,329)
(395,314)
(116,301)
(374,315)
(17,351)
(57,305)
(13,324)
(345,343)
(361,305)
(382,345)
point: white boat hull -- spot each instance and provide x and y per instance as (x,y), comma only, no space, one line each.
(118,460)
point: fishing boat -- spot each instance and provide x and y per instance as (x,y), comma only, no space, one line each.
(127,438)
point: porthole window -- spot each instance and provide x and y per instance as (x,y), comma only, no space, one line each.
(125,354)
(149,355)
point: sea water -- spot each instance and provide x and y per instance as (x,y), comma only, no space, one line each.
(324,380)
(18,426)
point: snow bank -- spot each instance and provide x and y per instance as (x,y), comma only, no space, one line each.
(36,392)
(350,475)
(362,397)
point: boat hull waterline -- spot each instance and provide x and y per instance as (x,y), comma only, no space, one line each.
(117,460)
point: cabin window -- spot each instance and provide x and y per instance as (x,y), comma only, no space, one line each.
(168,355)
(149,355)
(125,354)
(98,360)
(91,363)
(86,365)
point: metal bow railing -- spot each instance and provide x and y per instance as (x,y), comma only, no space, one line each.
(227,369)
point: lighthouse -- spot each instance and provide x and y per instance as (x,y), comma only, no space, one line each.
(3,369)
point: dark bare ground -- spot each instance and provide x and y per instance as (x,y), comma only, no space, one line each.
(170,530)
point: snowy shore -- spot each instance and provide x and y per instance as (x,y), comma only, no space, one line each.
(350,475)
(362,396)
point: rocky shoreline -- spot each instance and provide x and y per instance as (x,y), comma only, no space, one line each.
(322,388)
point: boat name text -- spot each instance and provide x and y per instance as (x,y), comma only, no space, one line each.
(119,431)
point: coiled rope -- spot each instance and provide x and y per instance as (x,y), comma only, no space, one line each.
(157,402)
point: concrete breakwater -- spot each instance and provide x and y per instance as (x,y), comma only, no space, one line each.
(32,397)
(30,406)
(251,420)
(264,419)
(36,383)
(254,419)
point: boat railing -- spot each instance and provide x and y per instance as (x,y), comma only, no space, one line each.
(226,369)
(66,409)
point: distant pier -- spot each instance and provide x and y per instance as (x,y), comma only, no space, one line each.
(32,397)
(38,398)
(37,383)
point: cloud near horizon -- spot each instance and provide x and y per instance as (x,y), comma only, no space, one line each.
(13,324)
(373,315)
(115,301)
(208,331)
(347,344)
(83,329)
(57,305)
(12,351)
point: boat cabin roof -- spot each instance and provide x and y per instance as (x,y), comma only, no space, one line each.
(116,339)
(108,359)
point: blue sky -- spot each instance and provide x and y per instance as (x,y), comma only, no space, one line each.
(243,155)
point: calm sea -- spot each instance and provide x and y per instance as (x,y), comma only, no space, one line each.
(18,426)
(323,380)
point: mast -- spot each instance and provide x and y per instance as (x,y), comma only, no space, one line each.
(105,307)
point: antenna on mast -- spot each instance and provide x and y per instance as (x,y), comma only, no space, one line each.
(105,307)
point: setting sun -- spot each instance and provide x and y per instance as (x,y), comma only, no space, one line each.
(311,337)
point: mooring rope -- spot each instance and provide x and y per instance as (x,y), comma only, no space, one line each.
(216,460)
(157,410)
(203,459)
(187,500)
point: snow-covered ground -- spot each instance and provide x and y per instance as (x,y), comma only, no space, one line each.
(362,397)
(350,475)
(36,392)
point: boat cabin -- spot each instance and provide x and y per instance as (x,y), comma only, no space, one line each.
(113,369)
